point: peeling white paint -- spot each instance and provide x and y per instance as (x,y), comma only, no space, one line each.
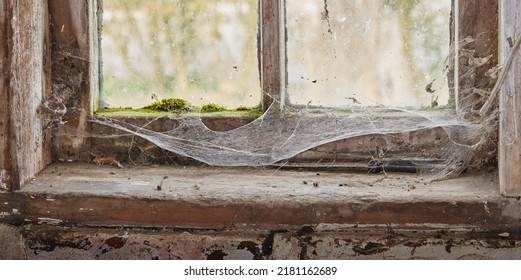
(49,221)
(486,207)
(7,214)
(3,179)
(4,214)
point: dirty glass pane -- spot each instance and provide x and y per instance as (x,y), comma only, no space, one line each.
(368,53)
(198,50)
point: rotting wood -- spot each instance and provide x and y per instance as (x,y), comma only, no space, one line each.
(478,20)
(68,194)
(6,168)
(477,57)
(140,212)
(51,242)
(509,103)
(47,83)
(24,26)
(71,77)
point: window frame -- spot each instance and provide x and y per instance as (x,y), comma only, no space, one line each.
(30,146)
(72,145)
(273,73)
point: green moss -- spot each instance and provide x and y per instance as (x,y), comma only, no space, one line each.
(178,106)
(125,111)
(257,110)
(175,105)
(212,107)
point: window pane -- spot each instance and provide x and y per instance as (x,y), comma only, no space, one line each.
(367,53)
(198,50)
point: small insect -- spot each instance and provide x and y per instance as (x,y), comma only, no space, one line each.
(428,87)
(376,164)
(355,101)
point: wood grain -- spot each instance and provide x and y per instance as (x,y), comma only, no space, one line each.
(270,52)
(199,197)
(509,103)
(71,75)
(24,144)
(477,19)
(6,168)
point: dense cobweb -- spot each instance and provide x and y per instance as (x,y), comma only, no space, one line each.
(284,131)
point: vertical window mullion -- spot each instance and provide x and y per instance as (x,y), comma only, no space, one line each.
(271,12)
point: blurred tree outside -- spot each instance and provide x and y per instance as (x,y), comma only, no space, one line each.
(201,51)
(353,53)
(367,53)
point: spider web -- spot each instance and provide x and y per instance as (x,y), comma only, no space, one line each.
(469,133)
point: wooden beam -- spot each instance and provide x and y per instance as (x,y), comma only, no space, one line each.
(478,21)
(271,66)
(24,86)
(199,197)
(5,150)
(71,76)
(510,102)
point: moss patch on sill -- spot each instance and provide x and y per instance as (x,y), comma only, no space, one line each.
(177,107)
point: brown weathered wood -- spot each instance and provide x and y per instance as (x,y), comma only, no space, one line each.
(24,85)
(5,151)
(194,197)
(510,102)
(47,83)
(71,76)
(477,19)
(270,52)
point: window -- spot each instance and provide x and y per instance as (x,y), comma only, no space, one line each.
(368,53)
(199,51)
(206,52)
(74,94)
(377,63)
(74,53)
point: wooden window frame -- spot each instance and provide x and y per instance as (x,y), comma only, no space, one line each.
(47,43)
(273,74)
(65,36)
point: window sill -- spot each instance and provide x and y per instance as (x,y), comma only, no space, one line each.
(195,197)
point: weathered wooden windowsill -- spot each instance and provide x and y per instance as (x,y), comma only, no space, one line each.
(195,197)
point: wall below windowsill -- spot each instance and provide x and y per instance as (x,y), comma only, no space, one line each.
(254,198)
